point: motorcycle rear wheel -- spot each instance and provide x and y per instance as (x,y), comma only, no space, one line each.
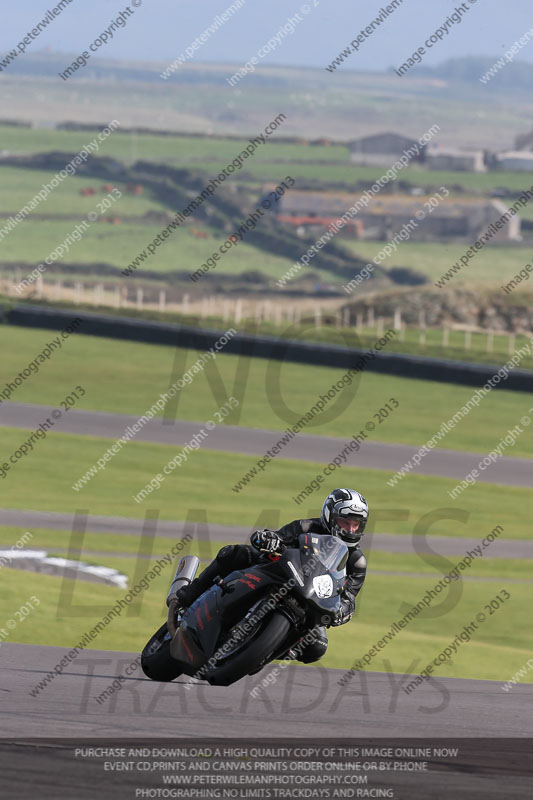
(247,660)
(156,661)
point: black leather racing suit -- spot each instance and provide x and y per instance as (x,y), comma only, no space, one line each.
(355,577)
(239,556)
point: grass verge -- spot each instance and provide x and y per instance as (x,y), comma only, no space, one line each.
(272,394)
(498,649)
(52,469)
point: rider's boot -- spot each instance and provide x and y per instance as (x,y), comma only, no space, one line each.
(192,591)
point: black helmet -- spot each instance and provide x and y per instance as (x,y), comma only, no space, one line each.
(345,514)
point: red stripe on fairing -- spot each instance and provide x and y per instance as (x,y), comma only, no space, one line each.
(207,612)
(183,641)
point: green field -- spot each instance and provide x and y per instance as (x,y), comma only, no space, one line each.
(115,376)
(493,265)
(459,183)
(32,241)
(213,154)
(497,651)
(118,245)
(190,150)
(127,377)
(96,547)
(124,549)
(19,186)
(111,493)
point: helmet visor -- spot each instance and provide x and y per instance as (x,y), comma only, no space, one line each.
(349,525)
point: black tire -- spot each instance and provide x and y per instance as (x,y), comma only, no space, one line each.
(156,661)
(262,646)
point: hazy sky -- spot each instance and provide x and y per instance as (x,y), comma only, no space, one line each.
(162,29)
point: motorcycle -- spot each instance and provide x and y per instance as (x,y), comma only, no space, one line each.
(251,617)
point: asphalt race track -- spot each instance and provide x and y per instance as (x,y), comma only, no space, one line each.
(252,441)
(308,699)
(40,733)
(173,529)
(301,701)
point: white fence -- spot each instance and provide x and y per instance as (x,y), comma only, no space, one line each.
(279,312)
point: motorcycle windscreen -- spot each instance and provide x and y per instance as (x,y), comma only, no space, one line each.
(324,560)
(337,554)
(330,551)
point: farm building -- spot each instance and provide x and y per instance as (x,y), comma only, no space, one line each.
(515,161)
(465,218)
(455,160)
(381,149)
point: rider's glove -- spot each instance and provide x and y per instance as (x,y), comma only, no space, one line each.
(345,612)
(267,542)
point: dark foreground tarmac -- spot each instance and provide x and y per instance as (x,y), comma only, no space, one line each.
(303,707)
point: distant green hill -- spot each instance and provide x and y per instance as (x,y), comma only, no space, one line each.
(359,104)
(515,76)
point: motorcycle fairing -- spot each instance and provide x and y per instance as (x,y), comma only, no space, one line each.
(201,625)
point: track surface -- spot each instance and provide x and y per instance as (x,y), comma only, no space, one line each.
(303,701)
(252,441)
(443,545)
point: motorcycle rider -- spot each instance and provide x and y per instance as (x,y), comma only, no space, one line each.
(344,514)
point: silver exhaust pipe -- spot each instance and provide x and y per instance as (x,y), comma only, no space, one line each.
(185,573)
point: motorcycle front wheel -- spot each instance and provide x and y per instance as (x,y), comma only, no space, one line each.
(258,651)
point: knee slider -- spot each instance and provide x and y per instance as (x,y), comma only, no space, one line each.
(314,652)
(316,649)
(321,642)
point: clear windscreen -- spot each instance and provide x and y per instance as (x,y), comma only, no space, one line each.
(332,552)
